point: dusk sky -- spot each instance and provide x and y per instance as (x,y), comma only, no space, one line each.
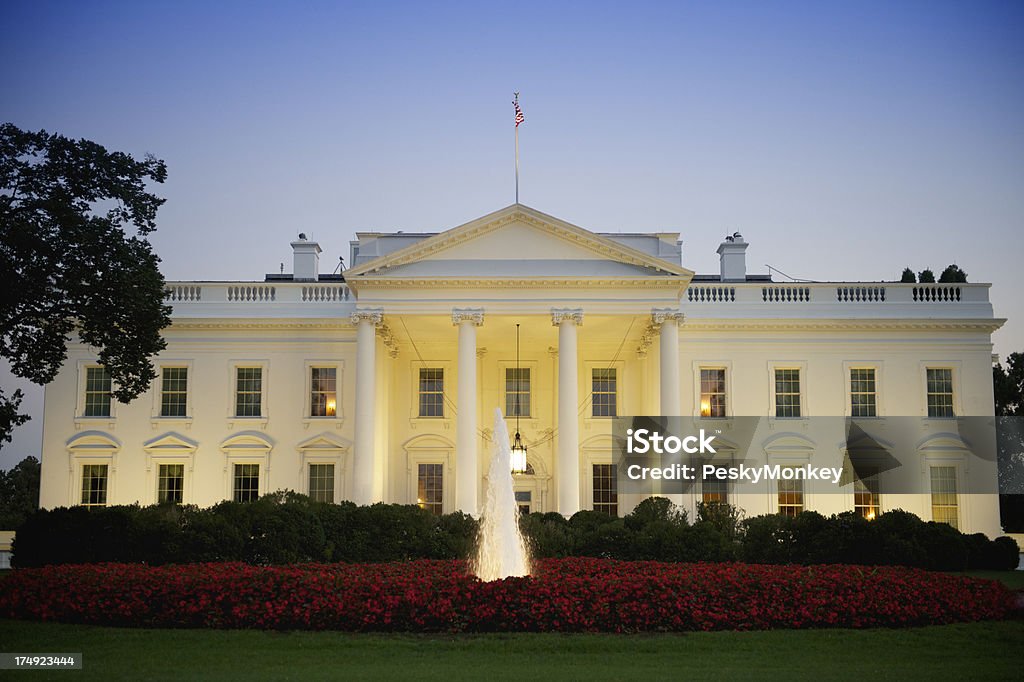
(845,140)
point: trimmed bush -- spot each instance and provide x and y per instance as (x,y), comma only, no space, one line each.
(286,528)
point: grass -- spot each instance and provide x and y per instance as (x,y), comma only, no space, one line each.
(968,651)
(1012,579)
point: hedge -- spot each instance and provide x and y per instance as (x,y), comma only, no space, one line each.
(287,528)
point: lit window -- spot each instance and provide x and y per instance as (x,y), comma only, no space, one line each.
(323,400)
(523,500)
(94,485)
(791,496)
(170,484)
(714,490)
(606,489)
(97,392)
(940,392)
(863,396)
(247,482)
(248,392)
(174,392)
(431,392)
(321,482)
(712,393)
(604,388)
(865,495)
(787,393)
(944,497)
(430,487)
(517,391)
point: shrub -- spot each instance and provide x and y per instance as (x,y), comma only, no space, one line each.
(576,595)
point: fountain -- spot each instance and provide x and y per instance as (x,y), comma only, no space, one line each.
(501,550)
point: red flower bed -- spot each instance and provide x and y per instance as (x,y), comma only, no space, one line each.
(571,595)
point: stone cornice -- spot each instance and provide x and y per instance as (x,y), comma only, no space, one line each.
(523,283)
(988,325)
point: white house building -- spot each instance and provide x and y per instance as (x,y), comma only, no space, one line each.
(379,384)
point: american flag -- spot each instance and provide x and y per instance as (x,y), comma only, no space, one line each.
(519,112)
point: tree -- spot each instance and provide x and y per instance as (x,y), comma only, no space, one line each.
(19,493)
(68,265)
(1008,390)
(952,274)
(908,276)
(926,276)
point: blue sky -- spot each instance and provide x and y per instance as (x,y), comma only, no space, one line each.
(845,140)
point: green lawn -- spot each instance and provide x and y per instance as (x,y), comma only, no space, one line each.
(1012,579)
(965,651)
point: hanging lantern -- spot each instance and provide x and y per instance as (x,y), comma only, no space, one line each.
(518,449)
(518,455)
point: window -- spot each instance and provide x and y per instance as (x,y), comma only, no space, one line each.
(174,392)
(247,482)
(321,482)
(517,391)
(714,490)
(431,392)
(248,391)
(170,484)
(940,392)
(604,388)
(323,397)
(523,500)
(791,496)
(430,488)
(94,485)
(865,495)
(97,392)
(712,392)
(606,489)
(863,396)
(787,393)
(944,498)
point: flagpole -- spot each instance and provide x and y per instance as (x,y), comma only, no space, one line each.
(516,103)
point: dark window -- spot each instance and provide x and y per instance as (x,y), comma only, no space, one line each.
(431,392)
(97,392)
(605,392)
(174,392)
(247,482)
(606,495)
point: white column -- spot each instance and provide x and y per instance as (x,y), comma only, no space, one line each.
(669,320)
(467,478)
(568,417)
(364,453)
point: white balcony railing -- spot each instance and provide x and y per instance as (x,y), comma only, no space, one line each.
(700,300)
(277,299)
(837,299)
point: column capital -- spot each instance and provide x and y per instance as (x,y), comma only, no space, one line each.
(474,315)
(560,315)
(372,315)
(662,315)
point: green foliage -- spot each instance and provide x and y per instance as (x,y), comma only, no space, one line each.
(926,276)
(285,527)
(19,493)
(69,266)
(952,275)
(908,276)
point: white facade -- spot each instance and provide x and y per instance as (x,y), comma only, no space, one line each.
(420,336)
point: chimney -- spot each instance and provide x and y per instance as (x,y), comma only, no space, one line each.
(307,259)
(732,255)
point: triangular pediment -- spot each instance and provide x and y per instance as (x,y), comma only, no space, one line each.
(521,243)
(170,442)
(324,441)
